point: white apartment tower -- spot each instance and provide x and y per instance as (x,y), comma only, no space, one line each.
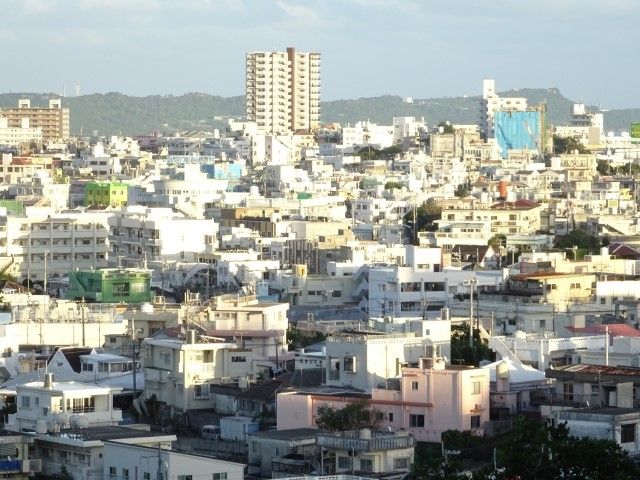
(283,90)
(491,103)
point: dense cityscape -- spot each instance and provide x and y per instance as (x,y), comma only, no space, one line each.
(290,298)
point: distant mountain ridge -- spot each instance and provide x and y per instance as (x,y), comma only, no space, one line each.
(116,113)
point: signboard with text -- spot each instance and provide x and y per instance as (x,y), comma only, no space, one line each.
(635,130)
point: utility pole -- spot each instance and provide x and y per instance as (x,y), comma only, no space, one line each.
(159,463)
(82,319)
(472,282)
(46,254)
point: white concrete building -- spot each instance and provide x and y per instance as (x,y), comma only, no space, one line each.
(158,234)
(492,103)
(179,373)
(44,240)
(283,90)
(123,460)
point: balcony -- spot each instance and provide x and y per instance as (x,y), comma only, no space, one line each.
(20,466)
(352,440)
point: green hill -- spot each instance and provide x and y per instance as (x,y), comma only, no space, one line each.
(115,113)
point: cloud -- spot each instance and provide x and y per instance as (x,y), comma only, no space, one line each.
(298,12)
(37,7)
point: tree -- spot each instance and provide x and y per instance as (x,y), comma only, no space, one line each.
(392,184)
(461,351)
(579,239)
(426,215)
(446,127)
(568,145)
(461,190)
(497,241)
(536,450)
(353,416)
(300,339)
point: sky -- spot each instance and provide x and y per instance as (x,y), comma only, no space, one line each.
(411,48)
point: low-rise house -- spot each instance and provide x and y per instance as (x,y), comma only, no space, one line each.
(17,463)
(69,423)
(123,461)
(365,452)
(621,425)
(282,453)
(583,385)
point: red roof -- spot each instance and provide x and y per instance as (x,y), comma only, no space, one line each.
(615,330)
(623,250)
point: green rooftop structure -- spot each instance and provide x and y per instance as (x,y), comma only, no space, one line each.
(105,194)
(110,285)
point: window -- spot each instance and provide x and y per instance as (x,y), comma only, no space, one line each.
(238,359)
(401,464)
(344,462)
(113,472)
(201,391)
(146,476)
(336,293)
(87,367)
(475,388)
(416,420)
(414,385)
(475,421)
(349,364)
(125,473)
(220,476)
(184,477)
(628,433)
(366,464)
(25,402)
(390,417)
(567,389)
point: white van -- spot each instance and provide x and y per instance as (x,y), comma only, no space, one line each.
(211,432)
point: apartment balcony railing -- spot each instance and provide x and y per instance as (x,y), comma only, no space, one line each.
(350,441)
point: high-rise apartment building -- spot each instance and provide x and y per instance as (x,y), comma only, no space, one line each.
(283,90)
(52,120)
(491,103)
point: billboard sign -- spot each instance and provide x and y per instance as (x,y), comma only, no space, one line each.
(635,130)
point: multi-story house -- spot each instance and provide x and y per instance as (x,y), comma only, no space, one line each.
(425,400)
(179,373)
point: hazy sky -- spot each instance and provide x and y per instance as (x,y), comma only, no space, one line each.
(418,48)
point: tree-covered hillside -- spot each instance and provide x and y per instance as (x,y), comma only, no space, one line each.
(114,113)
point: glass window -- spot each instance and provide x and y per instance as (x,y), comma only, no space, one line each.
(475,388)
(414,385)
(628,433)
(416,420)
(220,476)
(113,472)
(475,421)
(366,464)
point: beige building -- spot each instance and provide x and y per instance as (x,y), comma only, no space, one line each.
(179,373)
(52,120)
(283,90)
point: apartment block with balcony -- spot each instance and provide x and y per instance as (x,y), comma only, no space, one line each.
(53,120)
(283,90)
(159,234)
(16,463)
(56,243)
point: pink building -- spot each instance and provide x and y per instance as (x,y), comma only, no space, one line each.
(429,400)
